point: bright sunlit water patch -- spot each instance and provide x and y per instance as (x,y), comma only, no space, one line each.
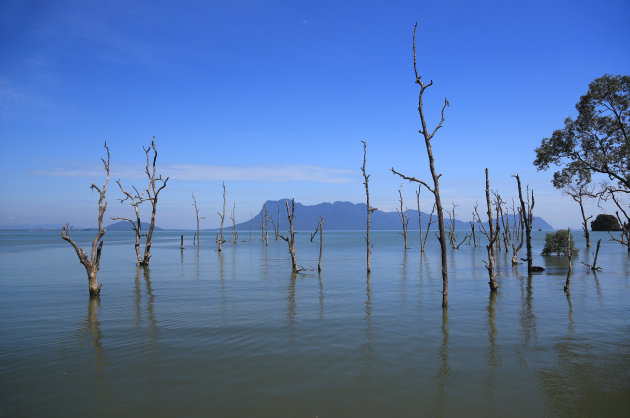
(202,333)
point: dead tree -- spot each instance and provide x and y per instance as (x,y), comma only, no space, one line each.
(498,202)
(492,236)
(436,177)
(134,200)
(577,193)
(320,228)
(369,209)
(624,238)
(517,248)
(219,238)
(570,256)
(197,216)
(92,264)
(419,217)
(265,225)
(527,207)
(594,265)
(431,222)
(451,229)
(290,239)
(233,218)
(403,217)
(152,192)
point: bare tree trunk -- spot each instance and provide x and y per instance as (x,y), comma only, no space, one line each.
(472,229)
(134,201)
(436,177)
(431,222)
(198,218)
(321,242)
(290,239)
(219,237)
(152,191)
(526,213)
(369,209)
(451,229)
(594,265)
(233,217)
(570,255)
(182,242)
(266,226)
(492,239)
(93,263)
(419,217)
(403,217)
(320,228)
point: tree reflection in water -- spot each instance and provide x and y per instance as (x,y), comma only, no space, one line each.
(444,369)
(494,353)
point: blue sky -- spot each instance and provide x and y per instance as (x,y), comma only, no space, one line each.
(275,97)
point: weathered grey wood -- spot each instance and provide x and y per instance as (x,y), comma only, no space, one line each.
(436,177)
(93,262)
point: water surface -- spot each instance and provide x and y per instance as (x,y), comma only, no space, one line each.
(235,333)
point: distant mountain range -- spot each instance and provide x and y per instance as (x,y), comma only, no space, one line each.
(337,216)
(351,216)
(117,226)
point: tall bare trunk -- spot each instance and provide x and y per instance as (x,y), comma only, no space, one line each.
(219,237)
(434,174)
(290,239)
(152,193)
(492,238)
(403,217)
(93,263)
(526,212)
(369,210)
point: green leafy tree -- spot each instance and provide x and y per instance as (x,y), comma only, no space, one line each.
(557,243)
(596,141)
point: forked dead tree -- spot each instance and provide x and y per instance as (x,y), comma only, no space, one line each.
(431,222)
(219,238)
(403,216)
(492,236)
(152,192)
(92,264)
(570,256)
(197,216)
(527,207)
(436,177)
(520,235)
(134,200)
(577,193)
(290,239)
(233,218)
(370,209)
(451,229)
(320,228)
(594,265)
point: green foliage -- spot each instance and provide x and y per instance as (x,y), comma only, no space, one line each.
(605,222)
(596,141)
(557,243)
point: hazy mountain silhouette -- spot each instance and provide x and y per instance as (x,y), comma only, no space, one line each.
(351,216)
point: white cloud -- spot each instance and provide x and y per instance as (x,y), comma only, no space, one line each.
(198,172)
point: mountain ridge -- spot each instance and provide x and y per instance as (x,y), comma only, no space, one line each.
(343,215)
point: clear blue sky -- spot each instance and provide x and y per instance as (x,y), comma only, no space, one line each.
(275,97)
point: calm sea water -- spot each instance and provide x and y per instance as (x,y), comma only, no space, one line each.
(204,333)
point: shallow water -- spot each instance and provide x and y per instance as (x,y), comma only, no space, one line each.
(204,333)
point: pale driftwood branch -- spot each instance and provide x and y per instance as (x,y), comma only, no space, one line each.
(413,179)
